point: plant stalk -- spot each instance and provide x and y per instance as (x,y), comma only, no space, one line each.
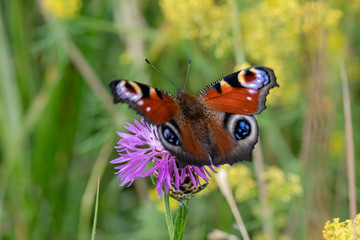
(168,216)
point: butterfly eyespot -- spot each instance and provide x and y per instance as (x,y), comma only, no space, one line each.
(242,129)
(170,136)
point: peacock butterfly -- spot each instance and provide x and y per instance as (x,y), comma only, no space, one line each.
(216,126)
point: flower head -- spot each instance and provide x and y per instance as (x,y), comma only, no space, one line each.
(202,20)
(62,9)
(141,146)
(349,229)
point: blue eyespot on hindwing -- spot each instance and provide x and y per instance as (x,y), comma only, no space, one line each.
(170,136)
(242,129)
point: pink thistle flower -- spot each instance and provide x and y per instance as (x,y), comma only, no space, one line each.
(142,146)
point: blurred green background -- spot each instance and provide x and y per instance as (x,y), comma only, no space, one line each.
(58,124)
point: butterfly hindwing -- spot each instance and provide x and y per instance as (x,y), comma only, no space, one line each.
(243,132)
(155,105)
(229,138)
(242,92)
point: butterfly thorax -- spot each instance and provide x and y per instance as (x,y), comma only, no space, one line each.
(197,125)
(190,106)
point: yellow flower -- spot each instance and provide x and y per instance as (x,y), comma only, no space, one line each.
(337,143)
(62,9)
(242,66)
(281,188)
(271,38)
(271,33)
(153,195)
(125,58)
(207,21)
(318,15)
(209,189)
(342,230)
(242,181)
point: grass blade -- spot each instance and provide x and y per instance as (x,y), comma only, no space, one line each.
(96,210)
(350,158)
(221,179)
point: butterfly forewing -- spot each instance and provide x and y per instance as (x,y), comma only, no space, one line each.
(155,105)
(242,92)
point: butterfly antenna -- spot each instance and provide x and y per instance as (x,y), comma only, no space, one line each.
(177,89)
(187,73)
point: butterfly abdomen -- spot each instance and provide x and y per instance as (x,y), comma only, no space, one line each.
(202,132)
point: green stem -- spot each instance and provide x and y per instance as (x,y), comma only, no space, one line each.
(175,232)
(96,210)
(168,216)
(180,220)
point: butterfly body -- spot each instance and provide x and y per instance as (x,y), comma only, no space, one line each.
(214,127)
(201,129)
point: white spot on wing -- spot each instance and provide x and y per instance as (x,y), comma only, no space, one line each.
(249,98)
(120,89)
(135,97)
(124,92)
(148,109)
(252,91)
(140,103)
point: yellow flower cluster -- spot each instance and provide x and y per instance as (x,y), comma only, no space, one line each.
(153,195)
(241,66)
(241,180)
(282,188)
(62,9)
(272,32)
(342,230)
(318,15)
(210,187)
(207,21)
(271,38)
